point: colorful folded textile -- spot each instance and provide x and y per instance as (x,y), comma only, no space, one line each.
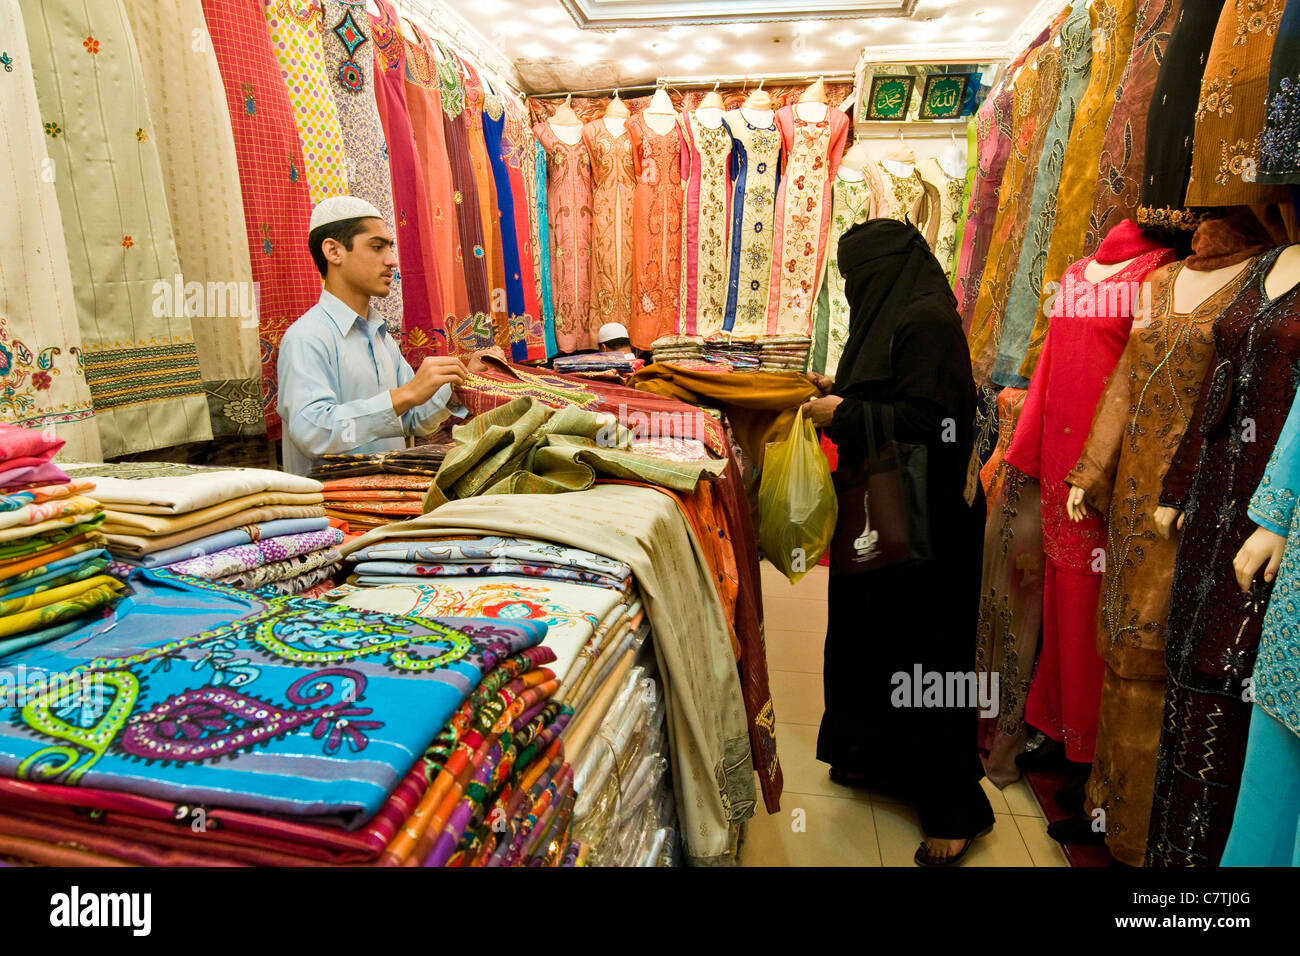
(377,482)
(457,549)
(246,557)
(222,540)
(138,545)
(36,542)
(35,513)
(46,608)
(223,722)
(161,525)
(74,567)
(299,583)
(162,488)
(15,568)
(420,460)
(397,572)
(13,500)
(43,474)
(282,570)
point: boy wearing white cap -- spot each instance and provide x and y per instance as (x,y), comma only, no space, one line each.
(344,385)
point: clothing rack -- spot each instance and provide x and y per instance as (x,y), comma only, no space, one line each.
(699,83)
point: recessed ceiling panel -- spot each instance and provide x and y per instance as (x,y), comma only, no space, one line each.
(632,13)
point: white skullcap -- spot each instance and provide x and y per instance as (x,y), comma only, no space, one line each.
(338,208)
(611,331)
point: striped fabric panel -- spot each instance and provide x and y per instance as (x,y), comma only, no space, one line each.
(133,376)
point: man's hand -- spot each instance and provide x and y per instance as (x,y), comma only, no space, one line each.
(1263,549)
(476,363)
(434,372)
(820,411)
(1166,518)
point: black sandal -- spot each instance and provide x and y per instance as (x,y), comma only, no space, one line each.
(922,856)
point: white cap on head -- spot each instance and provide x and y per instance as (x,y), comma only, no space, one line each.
(611,331)
(338,208)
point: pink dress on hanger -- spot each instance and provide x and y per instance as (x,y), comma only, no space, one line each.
(810,157)
(706,179)
(568,216)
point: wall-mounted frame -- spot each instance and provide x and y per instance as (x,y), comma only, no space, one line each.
(888,97)
(936,88)
(944,95)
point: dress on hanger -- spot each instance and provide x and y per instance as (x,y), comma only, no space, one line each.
(1027,283)
(1036,91)
(422,333)
(852,201)
(296,36)
(1230,112)
(494,257)
(518,149)
(951,190)
(1090,328)
(706,216)
(424,103)
(810,158)
(513,337)
(1279,151)
(656,231)
(993,136)
(541,217)
(1214,629)
(201,180)
(349,59)
(1171,119)
(473,330)
(755,154)
(1011,595)
(1140,420)
(36,296)
(569,215)
(613,181)
(1123,149)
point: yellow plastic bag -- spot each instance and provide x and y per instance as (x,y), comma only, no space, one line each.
(796,502)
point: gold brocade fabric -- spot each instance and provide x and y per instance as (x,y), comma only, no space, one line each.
(1111,45)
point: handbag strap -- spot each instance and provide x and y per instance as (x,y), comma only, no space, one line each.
(886,412)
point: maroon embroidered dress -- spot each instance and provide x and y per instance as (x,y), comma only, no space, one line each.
(1214,629)
(1089,329)
(277,201)
(422,329)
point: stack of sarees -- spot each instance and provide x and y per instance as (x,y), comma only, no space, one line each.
(53,566)
(248,528)
(367,491)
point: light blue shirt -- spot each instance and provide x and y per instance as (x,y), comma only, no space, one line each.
(335,370)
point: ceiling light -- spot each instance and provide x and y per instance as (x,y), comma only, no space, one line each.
(690,61)
(635,65)
(708,44)
(662,46)
(846,39)
(748,58)
(679,33)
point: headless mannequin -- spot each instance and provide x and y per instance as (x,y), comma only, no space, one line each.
(812,106)
(711,108)
(565,124)
(660,115)
(757,110)
(852,164)
(953,160)
(900,160)
(616,114)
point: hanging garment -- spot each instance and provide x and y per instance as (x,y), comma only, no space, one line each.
(1036,90)
(993,128)
(1230,113)
(487,200)
(1077,38)
(474,329)
(277,200)
(755,155)
(422,332)
(1011,597)
(706,196)
(541,216)
(810,158)
(349,58)
(852,201)
(1090,327)
(1123,150)
(40,341)
(1266,828)
(1214,629)
(188,105)
(1111,47)
(951,211)
(569,214)
(142,368)
(515,342)
(1140,419)
(1279,150)
(297,32)
(656,231)
(424,107)
(1171,119)
(613,181)
(903,192)
(518,152)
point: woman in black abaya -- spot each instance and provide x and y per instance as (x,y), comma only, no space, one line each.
(906,350)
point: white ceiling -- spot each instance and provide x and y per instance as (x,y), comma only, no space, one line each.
(550,51)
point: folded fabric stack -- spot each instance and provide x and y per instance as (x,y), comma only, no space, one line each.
(369,501)
(678,348)
(734,354)
(53,566)
(595,624)
(292,732)
(248,528)
(784,353)
(598,362)
(420,460)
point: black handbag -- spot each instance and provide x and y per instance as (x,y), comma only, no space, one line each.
(883,515)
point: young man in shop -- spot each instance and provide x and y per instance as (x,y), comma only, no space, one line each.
(344,385)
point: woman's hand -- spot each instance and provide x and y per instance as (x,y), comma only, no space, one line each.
(1167,519)
(1261,548)
(1074,504)
(824,384)
(820,411)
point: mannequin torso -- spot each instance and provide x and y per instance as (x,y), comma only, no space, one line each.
(616,125)
(1284,274)
(1191,287)
(759,119)
(710,116)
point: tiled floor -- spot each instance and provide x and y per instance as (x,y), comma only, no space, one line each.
(824,824)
